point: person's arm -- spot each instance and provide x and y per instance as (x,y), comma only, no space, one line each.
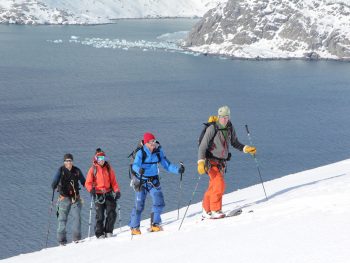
(56,179)
(240,146)
(81,177)
(172,168)
(89,179)
(204,145)
(113,178)
(136,166)
(234,140)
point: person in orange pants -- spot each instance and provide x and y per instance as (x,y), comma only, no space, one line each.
(213,153)
(212,200)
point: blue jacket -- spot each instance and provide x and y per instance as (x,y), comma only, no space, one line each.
(151,162)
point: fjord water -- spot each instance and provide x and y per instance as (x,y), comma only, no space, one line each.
(66,97)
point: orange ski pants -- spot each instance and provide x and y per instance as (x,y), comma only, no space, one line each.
(212,200)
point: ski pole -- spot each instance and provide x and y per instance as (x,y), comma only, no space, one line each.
(179,195)
(49,223)
(120,218)
(189,203)
(256,161)
(91,202)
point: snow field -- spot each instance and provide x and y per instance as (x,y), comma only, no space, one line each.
(305,220)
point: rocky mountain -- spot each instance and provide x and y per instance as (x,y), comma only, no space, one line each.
(97,11)
(272,29)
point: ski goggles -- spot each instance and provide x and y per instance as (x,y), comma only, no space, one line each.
(100,158)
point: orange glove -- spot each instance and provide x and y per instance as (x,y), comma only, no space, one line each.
(249,149)
(201,166)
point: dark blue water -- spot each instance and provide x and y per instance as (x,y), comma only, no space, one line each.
(58,98)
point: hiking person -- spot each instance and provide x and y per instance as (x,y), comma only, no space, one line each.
(67,181)
(213,153)
(146,180)
(102,184)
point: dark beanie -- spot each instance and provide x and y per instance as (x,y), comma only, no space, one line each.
(68,156)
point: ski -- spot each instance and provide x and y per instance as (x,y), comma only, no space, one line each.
(234,212)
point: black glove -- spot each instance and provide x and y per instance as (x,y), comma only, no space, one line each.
(93,192)
(117,195)
(181,169)
(141,171)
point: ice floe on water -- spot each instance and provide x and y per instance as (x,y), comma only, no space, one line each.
(57,41)
(122,43)
(170,42)
(176,37)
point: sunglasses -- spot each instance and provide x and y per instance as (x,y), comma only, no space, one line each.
(68,161)
(152,141)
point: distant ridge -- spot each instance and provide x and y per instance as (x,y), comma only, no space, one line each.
(96,12)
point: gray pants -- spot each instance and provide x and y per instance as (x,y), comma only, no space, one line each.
(63,208)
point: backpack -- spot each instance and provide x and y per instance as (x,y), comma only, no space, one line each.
(65,186)
(212,121)
(132,156)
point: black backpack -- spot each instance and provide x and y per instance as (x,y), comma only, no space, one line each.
(68,186)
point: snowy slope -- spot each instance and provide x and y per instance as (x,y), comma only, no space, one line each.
(309,29)
(97,11)
(305,220)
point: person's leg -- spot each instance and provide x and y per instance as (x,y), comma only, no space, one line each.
(158,204)
(100,217)
(76,213)
(63,206)
(111,214)
(206,197)
(217,189)
(135,217)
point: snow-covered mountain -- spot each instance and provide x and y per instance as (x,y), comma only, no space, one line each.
(97,11)
(309,29)
(306,219)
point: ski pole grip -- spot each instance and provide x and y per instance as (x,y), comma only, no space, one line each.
(246,127)
(182,164)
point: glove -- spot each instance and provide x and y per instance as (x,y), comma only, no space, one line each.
(249,149)
(117,195)
(181,169)
(141,171)
(201,166)
(93,192)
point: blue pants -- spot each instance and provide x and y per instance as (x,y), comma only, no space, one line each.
(63,208)
(157,206)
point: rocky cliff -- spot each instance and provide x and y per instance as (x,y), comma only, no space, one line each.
(311,29)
